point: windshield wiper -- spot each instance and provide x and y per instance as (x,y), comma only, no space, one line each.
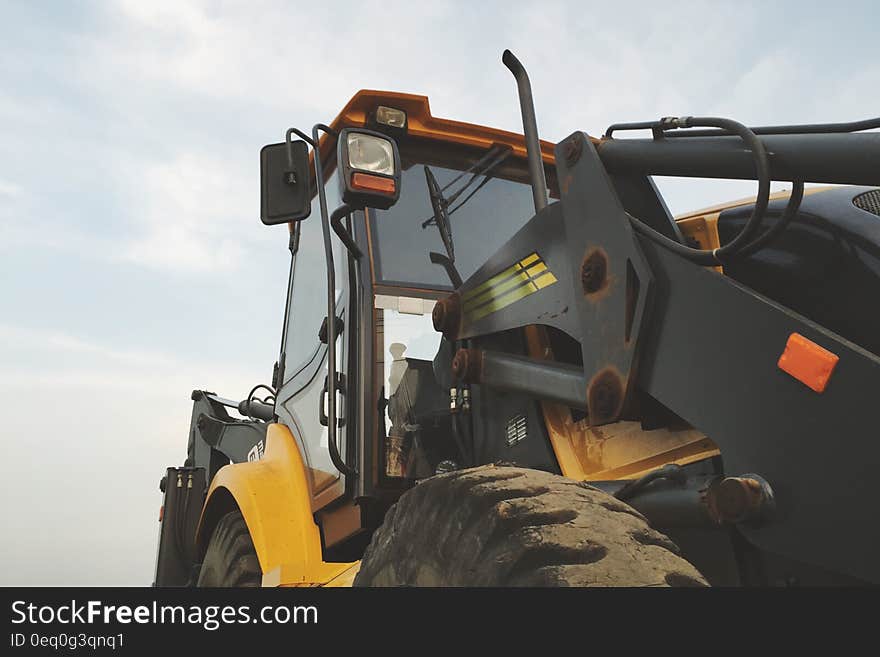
(441,205)
(482,167)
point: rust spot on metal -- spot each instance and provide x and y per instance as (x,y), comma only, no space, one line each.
(467,365)
(605,396)
(447,316)
(572,149)
(594,272)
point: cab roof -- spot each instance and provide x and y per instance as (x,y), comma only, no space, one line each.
(421,123)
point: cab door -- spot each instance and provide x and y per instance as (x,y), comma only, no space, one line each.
(302,395)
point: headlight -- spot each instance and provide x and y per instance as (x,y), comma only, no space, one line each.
(370,153)
(369,169)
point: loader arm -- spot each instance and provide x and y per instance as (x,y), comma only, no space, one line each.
(651,325)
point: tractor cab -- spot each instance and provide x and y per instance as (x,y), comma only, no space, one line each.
(397,264)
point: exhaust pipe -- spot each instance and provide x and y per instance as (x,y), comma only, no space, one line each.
(530,129)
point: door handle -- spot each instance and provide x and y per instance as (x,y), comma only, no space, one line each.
(340,412)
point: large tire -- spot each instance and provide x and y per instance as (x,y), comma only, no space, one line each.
(507,526)
(231,560)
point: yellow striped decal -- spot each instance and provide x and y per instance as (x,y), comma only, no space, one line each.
(514,283)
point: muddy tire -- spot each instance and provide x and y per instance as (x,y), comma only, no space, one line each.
(230,560)
(507,526)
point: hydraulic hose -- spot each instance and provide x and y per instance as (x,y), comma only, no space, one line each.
(794,203)
(744,237)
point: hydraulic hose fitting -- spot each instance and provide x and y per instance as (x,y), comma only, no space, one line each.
(747,498)
(467,365)
(446,316)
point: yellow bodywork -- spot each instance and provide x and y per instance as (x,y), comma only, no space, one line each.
(702,225)
(615,451)
(274,498)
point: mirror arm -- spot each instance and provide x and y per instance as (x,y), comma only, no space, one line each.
(287,138)
(293,242)
(299,133)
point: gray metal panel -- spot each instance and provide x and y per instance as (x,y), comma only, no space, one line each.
(604,258)
(545,234)
(711,356)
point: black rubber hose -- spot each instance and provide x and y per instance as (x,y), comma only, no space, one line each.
(459,442)
(803,129)
(671,471)
(791,209)
(744,237)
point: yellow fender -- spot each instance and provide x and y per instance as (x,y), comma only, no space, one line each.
(274,498)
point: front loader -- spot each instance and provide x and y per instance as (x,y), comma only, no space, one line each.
(504,363)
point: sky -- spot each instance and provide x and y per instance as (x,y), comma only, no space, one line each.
(133,265)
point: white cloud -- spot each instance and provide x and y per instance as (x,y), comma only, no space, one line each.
(92,427)
(186,203)
(190,212)
(51,358)
(56,341)
(9,189)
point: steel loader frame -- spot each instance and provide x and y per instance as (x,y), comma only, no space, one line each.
(650,320)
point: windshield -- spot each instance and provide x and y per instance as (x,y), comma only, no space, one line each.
(403,239)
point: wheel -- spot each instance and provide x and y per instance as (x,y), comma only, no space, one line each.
(230,559)
(507,526)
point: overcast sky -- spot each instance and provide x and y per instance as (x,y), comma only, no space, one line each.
(134,268)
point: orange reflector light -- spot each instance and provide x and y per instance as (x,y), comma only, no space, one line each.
(366,182)
(806,361)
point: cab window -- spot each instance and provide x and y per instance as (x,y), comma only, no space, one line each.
(482,218)
(308,292)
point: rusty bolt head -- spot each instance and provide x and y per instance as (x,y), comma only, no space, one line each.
(604,397)
(736,499)
(594,271)
(467,364)
(446,315)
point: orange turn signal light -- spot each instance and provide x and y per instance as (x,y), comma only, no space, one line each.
(806,361)
(366,182)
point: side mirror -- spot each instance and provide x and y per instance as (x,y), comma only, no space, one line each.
(369,168)
(285,182)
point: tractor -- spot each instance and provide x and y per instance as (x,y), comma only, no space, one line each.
(505,363)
